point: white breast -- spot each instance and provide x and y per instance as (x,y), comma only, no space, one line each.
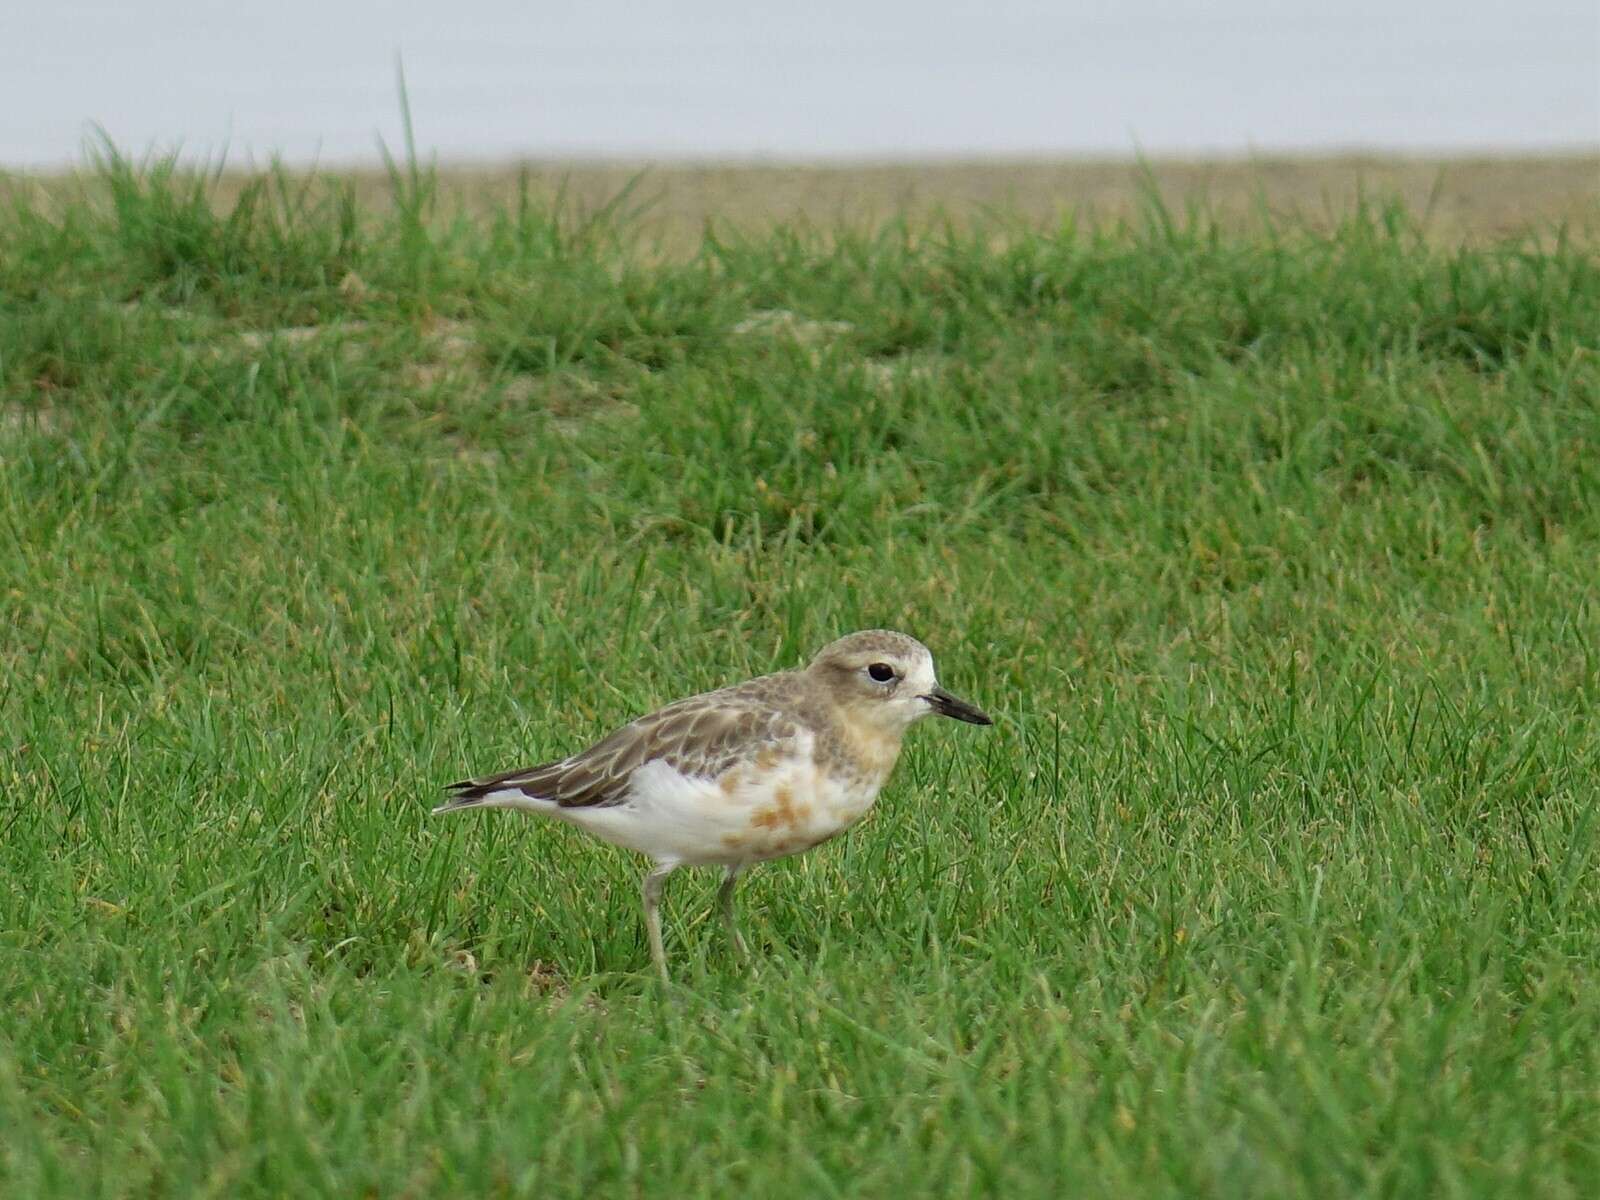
(766,807)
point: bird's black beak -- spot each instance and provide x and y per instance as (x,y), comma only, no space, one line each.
(947,705)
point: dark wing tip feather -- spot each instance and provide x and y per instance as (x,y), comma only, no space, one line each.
(472,789)
(464,793)
(531,781)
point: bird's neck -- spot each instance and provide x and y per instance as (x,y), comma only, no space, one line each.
(870,749)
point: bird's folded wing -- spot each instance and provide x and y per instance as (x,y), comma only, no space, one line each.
(702,737)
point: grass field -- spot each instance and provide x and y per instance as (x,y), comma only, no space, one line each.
(1274,554)
(1448,201)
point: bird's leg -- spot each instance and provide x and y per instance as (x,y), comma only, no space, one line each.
(725,903)
(651,887)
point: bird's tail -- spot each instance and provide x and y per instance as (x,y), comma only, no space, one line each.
(457,802)
(493,791)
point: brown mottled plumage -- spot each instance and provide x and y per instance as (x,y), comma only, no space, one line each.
(701,736)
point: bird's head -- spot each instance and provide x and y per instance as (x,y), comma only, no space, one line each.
(887,680)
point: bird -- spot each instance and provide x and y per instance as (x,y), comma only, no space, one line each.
(759,770)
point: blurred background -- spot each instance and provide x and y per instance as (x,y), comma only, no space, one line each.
(851,80)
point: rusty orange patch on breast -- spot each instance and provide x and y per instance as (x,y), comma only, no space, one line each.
(782,815)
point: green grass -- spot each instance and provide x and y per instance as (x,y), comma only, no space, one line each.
(1275,556)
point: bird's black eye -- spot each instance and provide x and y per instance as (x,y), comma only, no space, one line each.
(881,672)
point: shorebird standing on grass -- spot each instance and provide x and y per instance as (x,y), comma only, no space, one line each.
(756,771)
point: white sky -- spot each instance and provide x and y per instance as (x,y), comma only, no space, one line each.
(824,79)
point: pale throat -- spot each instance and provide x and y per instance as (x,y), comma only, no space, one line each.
(872,744)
